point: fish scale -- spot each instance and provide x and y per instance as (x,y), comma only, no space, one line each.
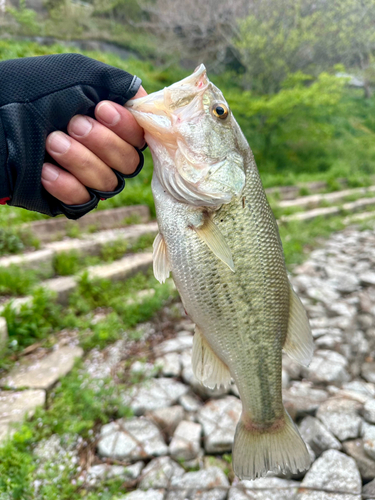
(220,239)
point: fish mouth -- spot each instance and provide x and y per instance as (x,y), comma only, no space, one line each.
(156,112)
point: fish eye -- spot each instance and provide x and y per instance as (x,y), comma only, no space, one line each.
(220,110)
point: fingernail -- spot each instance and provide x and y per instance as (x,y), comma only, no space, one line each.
(50,172)
(59,142)
(80,125)
(108,113)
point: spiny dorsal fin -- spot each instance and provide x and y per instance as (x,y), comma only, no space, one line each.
(160,259)
(215,241)
(299,342)
(208,369)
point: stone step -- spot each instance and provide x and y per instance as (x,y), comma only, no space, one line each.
(89,244)
(119,270)
(15,406)
(3,334)
(324,212)
(314,200)
(55,228)
(291,192)
(43,373)
(65,285)
(359,217)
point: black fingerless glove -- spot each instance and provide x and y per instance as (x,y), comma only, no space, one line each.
(39,95)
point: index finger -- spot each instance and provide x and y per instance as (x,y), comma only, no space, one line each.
(120,121)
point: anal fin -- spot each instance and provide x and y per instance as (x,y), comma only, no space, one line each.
(299,342)
(208,368)
(161,264)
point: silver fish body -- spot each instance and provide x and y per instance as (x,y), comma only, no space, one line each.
(227,262)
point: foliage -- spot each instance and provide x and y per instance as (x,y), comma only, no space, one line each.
(26,18)
(31,322)
(301,237)
(36,320)
(14,240)
(284,36)
(75,407)
(16,281)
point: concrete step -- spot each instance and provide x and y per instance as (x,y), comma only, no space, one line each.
(65,285)
(324,212)
(118,270)
(291,192)
(89,244)
(55,228)
(314,200)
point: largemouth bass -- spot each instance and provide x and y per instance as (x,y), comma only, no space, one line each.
(220,239)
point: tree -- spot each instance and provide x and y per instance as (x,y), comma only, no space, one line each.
(284,36)
(197,31)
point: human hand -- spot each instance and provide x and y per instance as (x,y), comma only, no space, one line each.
(89,152)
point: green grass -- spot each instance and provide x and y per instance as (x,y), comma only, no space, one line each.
(43,317)
(15,281)
(301,237)
(76,406)
(68,263)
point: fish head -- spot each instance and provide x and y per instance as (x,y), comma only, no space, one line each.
(197,146)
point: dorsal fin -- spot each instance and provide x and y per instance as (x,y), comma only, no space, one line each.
(211,235)
(299,342)
(161,264)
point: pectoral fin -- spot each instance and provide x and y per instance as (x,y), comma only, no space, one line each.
(207,367)
(160,259)
(215,241)
(299,342)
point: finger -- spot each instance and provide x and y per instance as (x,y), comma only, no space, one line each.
(63,185)
(105,144)
(120,121)
(90,170)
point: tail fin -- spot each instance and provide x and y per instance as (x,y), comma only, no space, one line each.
(280,450)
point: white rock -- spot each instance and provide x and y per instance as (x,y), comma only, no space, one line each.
(133,439)
(327,366)
(334,471)
(99,472)
(185,444)
(177,344)
(302,397)
(190,402)
(325,495)
(146,369)
(369,447)
(169,365)
(15,406)
(340,416)
(206,484)
(45,372)
(159,473)
(317,436)
(367,278)
(219,419)
(154,394)
(267,488)
(369,411)
(167,419)
(144,495)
